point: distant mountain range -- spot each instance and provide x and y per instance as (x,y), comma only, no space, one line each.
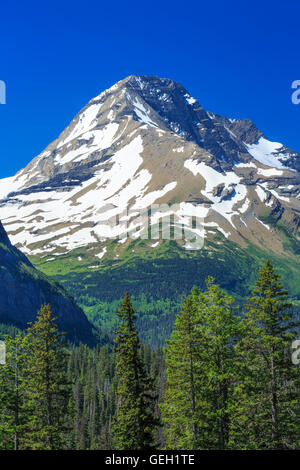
(147,141)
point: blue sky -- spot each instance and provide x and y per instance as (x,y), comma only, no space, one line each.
(237,58)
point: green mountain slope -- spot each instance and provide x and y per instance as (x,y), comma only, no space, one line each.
(159,278)
(23,289)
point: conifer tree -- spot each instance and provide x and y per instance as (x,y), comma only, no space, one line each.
(267,411)
(201,369)
(219,329)
(12,391)
(48,389)
(183,370)
(135,421)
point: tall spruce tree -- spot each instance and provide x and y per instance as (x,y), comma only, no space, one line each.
(180,406)
(266,414)
(135,421)
(219,328)
(12,391)
(201,370)
(48,390)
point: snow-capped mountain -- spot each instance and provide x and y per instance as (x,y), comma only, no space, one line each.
(147,141)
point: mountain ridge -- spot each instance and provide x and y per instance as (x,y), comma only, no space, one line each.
(76,207)
(146,122)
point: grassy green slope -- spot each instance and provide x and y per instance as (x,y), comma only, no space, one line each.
(159,278)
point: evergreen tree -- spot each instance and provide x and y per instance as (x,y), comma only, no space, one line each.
(12,391)
(219,329)
(181,421)
(48,389)
(135,421)
(267,411)
(92,372)
(201,369)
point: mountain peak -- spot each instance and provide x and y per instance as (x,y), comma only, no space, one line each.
(146,140)
(148,86)
(142,80)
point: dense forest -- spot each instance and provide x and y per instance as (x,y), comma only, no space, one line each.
(224,380)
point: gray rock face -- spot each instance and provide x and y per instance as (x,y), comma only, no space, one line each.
(183,115)
(246,133)
(23,290)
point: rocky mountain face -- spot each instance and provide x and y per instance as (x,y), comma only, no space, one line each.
(147,140)
(23,289)
(76,208)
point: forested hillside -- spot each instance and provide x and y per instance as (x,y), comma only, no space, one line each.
(225,380)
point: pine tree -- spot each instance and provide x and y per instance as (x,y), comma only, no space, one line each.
(92,372)
(135,421)
(201,369)
(219,329)
(48,389)
(267,411)
(183,369)
(12,391)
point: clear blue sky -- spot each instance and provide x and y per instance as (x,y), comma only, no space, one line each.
(238,58)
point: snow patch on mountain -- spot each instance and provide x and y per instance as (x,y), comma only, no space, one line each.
(102,253)
(269,172)
(245,206)
(213,178)
(190,99)
(86,121)
(143,113)
(245,165)
(148,199)
(261,193)
(268,153)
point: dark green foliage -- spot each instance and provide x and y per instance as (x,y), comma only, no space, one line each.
(13,389)
(82,419)
(92,372)
(154,321)
(180,406)
(159,279)
(47,387)
(228,382)
(135,421)
(266,414)
(201,368)
(231,382)
(7,329)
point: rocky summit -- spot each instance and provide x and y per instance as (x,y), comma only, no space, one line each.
(147,141)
